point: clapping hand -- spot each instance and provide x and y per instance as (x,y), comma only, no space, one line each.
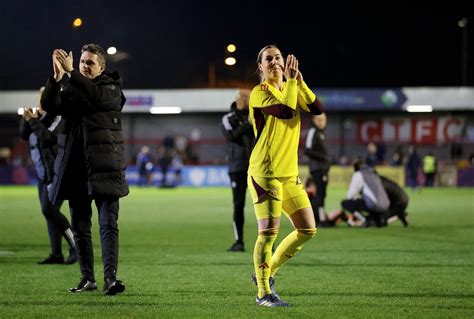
(292,64)
(29,114)
(64,59)
(57,68)
(291,67)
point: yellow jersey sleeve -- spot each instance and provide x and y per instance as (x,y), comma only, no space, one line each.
(265,95)
(306,93)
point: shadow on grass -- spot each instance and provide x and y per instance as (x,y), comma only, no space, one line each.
(82,303)
(380,265)
(387,295)
(442,300)
(397,305)
(317,263)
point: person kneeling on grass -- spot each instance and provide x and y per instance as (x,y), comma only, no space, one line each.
(365,218)
(366,194)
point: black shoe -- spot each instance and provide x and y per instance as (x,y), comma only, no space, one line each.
(72,258)
(253,278)
(113,287)
(52,259)
(237,246)
(84,285)
(271,300)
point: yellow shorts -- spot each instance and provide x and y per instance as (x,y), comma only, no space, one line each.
(272,195)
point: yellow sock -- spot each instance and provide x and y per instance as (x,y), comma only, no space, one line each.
(289,247)
(262,255)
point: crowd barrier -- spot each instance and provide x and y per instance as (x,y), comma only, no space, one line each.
(217,175)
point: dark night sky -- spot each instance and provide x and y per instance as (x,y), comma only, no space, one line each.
(169,44)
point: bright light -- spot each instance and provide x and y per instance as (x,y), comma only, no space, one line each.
(21,110)
(112,50)
(419,108)
(230,61)
(231,48)
(165,110)
(77,22)
(463,22)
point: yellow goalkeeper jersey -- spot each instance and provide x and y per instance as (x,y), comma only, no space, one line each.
(276,123)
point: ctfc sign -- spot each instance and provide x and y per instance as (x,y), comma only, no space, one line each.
(422,130)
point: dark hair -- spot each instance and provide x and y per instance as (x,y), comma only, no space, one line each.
(95,49)
(357,164)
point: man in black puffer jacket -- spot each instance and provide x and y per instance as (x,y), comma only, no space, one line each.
(90,164)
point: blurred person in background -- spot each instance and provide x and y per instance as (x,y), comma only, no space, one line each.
(144,166)
(90,165)
(165,154)
(177,164)
(430,168)
(40,131)
(273,180)
(238,132)
(371,157)
(413,166)
(319,163)
(397,158)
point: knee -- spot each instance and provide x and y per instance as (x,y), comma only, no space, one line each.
(268,232)
(307,232)
(47,213)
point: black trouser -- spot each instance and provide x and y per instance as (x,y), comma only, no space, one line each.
(398,209)
(320,178)
(429,179)
(359,205)
(239,189)
(81,214)
(57,222)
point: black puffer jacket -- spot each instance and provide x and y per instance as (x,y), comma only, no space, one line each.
(90,148)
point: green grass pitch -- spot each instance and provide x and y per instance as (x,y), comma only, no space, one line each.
(174,263)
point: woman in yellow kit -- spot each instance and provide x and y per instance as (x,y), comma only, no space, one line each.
(273,170)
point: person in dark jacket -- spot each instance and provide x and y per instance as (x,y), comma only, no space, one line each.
(371,157)
(39,130)
(366,195)
(90,164)
(413,166)
(239,135)
(398,201)
(319,163)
